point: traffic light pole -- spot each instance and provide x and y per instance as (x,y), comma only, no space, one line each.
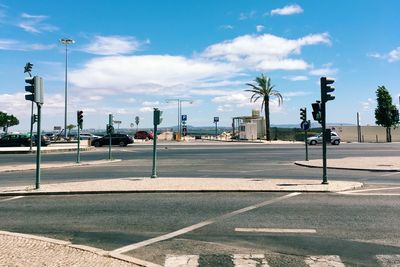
(154,170)
(110,119)
(38,145)
(78,154)
(32,122)
(324,139)
(305,141)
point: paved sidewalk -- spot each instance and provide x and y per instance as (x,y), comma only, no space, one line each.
(27,167)
(384,164)
(141,185)
(29,250)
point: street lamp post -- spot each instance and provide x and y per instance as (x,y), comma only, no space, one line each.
(66,42)
(179,101)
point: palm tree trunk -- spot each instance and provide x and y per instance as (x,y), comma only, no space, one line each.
(267,124)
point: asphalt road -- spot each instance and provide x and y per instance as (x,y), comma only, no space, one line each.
(356,228)
(218,160)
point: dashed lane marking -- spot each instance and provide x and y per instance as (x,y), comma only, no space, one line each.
(201,224)
(11,198)
(276,230)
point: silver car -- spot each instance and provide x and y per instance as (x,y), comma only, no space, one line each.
(335,139)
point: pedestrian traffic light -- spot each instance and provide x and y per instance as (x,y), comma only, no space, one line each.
(110,129)
(184,130)
(157,116)
(303,114)
(326,89)
(79,115)
(316,113)
(35,87)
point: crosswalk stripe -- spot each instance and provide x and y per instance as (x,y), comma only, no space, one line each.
(181,261)
(252,260)
(389,260)
(324,261)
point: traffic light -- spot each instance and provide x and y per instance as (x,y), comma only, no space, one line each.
(79,117)
(316,113)
(303,114)
(184,130)
(28,67)
(326,89)
(110,129)
(35,87)
(157,116)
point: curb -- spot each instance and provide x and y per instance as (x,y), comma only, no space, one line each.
(346,168)
(46,151)
(85,248)
(44,166)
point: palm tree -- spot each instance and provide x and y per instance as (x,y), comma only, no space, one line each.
(263,89)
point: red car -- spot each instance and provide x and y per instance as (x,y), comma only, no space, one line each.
(143,135)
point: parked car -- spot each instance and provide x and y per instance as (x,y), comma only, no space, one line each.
(143,135)
(86,136)
(51,136)
(335,139)
(22,140)
(116,139)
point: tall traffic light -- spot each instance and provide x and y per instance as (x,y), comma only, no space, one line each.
(79,118)
(35,87)
(303,114)
(326,89)
(157,116)
(316,113)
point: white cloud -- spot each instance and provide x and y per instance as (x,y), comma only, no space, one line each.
(392,56)
(242,99)
(112,45)
(287,10)
(296,93)
(34,24)
(146,109)
(297,78)
(325,71)
(259,28)
(15,45)
(225,108)
(147,74)
(368,105)
(227,27)
(151,103)
(247,15)
(95,98)
(264,52)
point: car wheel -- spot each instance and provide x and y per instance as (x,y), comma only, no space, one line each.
(313,142)
(122,143)
(336,142)
(97,144)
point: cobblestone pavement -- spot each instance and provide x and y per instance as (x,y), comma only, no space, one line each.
(20,250)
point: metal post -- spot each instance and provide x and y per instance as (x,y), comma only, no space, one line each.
(358,128)
(32,122)
(65,91)
(305,140)
(154,170)
(216,130)
(38,146)
(180,119)
(324,139)
(78,154)
(110,119)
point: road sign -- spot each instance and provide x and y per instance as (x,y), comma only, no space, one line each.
(305,125)
(184,117)
(216,119)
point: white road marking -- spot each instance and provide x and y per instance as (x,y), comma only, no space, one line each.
(390,174)
(250,260)
(181,261)
(12,198)
(324,261)
(389,260)
(276,230)
(358,192)
(200,225)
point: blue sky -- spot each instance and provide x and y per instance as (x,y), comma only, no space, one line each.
(131,56)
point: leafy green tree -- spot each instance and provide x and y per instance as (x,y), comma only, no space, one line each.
(262,89)
(386,114)
(7,120)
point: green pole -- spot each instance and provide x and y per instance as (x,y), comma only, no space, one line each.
(110,118)
(78,154)
(305,140)
(324,138)
(154,171)
(38,146)
(32,122)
